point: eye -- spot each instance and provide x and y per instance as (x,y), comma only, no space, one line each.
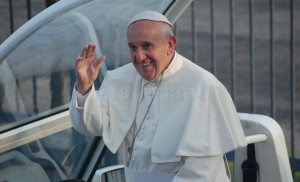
(147,46)
(132,47)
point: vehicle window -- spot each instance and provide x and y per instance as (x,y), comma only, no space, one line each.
(37,78)
(47,159)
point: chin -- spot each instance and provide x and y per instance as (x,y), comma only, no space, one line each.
(147,78)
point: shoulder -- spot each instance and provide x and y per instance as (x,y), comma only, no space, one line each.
(195,74)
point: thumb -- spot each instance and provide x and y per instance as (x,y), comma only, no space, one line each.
(99,62)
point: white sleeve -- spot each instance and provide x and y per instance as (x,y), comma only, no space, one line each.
(81,99)
(89,112)
(202,169)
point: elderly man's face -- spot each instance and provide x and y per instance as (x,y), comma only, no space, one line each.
(150,51)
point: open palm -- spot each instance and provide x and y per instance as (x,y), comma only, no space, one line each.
(87,68)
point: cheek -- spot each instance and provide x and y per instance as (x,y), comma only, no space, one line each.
(132,57)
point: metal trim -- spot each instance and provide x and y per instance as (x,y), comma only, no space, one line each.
(176,10)
(34,131)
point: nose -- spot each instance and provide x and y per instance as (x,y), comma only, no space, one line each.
(140,55)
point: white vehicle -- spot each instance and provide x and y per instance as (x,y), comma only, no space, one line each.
(37,141)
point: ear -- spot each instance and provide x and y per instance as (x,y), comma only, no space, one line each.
(171,45)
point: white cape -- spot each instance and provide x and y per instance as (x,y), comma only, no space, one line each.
(196,114)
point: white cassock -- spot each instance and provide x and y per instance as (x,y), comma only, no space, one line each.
(190,125)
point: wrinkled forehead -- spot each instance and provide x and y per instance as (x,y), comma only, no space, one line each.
(143,31)
(150,15)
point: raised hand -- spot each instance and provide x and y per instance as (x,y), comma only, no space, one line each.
(87,68)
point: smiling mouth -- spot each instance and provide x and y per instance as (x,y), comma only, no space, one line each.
(145,64)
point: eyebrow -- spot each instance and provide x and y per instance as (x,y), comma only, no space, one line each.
(147,43)
(130,44)
(143,44)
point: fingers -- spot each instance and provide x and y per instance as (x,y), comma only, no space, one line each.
(100,61)
(88,51)
(83,52)
(88,54)
(93,53)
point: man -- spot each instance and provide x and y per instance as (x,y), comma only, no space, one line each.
(170,119)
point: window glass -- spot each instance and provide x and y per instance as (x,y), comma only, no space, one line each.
(37,78)
(53,158)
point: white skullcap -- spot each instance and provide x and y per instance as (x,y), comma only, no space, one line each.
(150,15)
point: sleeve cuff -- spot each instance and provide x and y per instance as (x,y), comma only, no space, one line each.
(81,99)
